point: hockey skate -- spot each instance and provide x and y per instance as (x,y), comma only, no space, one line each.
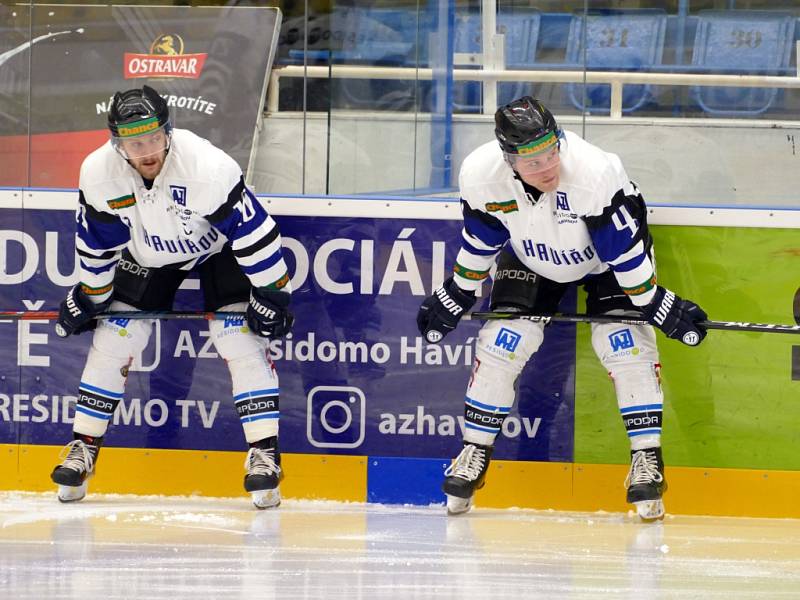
(646,484)
(72,475)
(263,464)
(466,474)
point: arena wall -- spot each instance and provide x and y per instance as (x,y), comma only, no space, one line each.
(370,413)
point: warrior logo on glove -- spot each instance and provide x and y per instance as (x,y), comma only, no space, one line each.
(691,338)
(433,336)
(441,312)
(679,319)
(268,313)
(71,306)
(77,313)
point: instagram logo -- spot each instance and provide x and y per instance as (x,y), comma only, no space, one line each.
(336,417)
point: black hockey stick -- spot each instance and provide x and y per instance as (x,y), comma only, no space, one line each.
(623,320)
(48,315)
(33,315)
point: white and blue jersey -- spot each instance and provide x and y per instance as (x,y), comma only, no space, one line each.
(196,205)
(594,222)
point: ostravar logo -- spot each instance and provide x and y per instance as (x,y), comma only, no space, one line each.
(166,59)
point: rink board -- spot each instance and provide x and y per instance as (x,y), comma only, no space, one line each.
(389,480)
(371,413)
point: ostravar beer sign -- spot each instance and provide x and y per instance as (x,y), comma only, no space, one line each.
(166,59)
(209,63)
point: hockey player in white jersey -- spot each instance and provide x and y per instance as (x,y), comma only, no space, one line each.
(558,211)
(156,202)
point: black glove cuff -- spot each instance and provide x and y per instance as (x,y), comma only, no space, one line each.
(661,304)
(275,297)
(465,298)
(85,303)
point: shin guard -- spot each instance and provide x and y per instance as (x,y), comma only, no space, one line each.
(630,356)
(502,350)
(255,381)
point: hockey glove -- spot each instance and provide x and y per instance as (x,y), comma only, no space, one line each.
(268,313)
(76,313)
(676,317)
(440,312)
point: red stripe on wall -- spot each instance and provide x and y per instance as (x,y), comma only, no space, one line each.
(55,158)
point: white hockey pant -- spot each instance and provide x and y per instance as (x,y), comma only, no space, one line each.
(115,343)
(102,385)
(254,379)
(630,355)
(501,351)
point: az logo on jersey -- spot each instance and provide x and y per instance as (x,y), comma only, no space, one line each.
(178,194)
(563,212)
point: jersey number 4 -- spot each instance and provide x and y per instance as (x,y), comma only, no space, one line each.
(622,220)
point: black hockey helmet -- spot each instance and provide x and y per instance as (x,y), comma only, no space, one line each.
(525,126)
(137,112)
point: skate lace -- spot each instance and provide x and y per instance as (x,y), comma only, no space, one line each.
(78,457)
(644,469)
(469,464)
(261,461)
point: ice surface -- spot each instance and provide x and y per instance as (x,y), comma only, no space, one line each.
(146,547)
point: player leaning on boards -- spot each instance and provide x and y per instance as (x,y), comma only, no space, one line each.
(558,211)
(156,203)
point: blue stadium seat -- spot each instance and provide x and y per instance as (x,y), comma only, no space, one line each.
(521,31)
(385,37)
(615,41)
(741,42)
(377,36)
(359,36)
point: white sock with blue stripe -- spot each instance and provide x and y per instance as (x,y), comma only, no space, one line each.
(482,421)
(641,404)
(101,389)
(256,395)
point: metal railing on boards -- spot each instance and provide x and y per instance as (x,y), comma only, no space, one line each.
(616,79)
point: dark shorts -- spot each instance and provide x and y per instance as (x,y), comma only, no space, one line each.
(153,288)
(515,286)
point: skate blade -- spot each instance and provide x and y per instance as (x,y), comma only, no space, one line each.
(266,498)
(650,510)
(457,506)
(72,493)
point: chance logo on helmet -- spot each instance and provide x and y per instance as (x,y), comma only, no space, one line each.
(540,145)
(138,111)
(138,128)
(525,126)
(139,122)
